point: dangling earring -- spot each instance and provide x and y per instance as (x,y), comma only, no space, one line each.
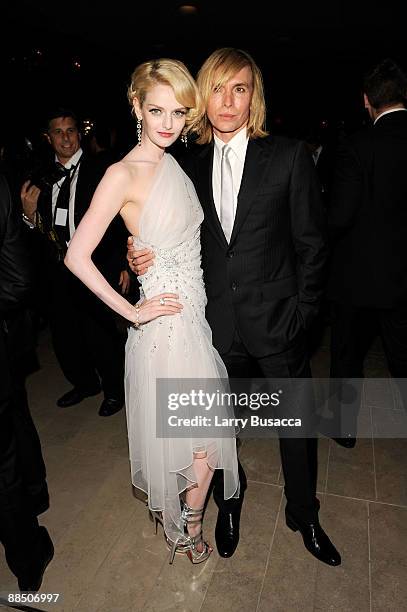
(139,131)
(184,139)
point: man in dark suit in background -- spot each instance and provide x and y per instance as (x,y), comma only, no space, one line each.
(368,224)
(323,151)
(263,257)
(86,340)
(23,488)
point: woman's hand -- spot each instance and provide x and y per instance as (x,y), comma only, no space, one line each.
(157,306)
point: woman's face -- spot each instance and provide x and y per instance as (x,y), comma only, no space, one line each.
(163,117)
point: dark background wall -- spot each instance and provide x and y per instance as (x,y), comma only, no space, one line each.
(81,54)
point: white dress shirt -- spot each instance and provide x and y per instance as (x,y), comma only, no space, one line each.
(55,190)
(237,156)
(316,154)
(391,110)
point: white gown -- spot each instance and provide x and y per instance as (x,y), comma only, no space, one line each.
(175,347)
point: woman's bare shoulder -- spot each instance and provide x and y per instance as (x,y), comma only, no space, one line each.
(130,168)
(119,171)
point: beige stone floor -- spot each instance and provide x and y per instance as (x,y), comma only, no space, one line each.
(108,558)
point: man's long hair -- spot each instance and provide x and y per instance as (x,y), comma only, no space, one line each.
(221,66)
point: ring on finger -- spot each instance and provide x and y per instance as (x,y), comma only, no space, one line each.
(162,301)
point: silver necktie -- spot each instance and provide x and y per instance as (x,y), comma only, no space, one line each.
(226,194)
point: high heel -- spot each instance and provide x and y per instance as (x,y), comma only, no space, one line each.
(157,518)
(185,543)
(194,555)
(189,544)
(175,547)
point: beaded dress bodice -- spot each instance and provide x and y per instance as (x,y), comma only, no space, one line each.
(170,226)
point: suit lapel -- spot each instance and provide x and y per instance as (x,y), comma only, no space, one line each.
(204,178)
(258,155)
(45,208)
(81,201)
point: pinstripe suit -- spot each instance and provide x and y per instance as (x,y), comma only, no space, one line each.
(264,286)
(266,283)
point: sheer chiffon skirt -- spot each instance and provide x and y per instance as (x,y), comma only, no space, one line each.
(172,347)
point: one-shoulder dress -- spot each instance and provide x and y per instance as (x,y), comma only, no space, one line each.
(172,347)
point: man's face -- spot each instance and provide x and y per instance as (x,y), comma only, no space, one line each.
(228,106)
(64,138)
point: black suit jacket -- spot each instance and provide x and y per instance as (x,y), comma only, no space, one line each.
(110,254)
(15,272)
(16,283)
(267,282)
(22,471)
(368,217)
(325,170)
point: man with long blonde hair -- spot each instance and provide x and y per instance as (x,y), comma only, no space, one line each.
(263,256)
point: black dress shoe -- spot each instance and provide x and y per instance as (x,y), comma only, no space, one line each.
(110,406)
(75,395)
(347,441)
(32,581)
(330,428)
(315,540)
(227,531)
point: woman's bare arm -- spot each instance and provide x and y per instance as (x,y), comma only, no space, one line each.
(110,196)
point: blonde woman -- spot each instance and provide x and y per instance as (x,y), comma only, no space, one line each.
(169,337)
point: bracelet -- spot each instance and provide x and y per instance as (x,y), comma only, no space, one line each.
(136,323)
(28,220)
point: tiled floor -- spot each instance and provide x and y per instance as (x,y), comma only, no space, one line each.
(108,557)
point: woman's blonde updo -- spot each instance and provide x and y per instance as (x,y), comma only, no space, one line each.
(170,72)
